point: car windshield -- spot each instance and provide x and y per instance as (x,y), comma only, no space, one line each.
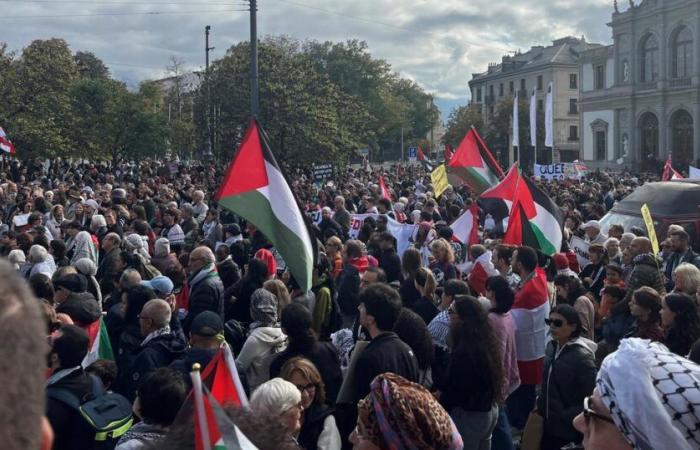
(627,222)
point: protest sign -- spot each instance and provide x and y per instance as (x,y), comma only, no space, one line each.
(322,172)
(439,179)
(646,214)
(560,171)
(580,248)
(403,233)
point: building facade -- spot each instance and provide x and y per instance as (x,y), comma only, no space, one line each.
(536,68)
(640,97)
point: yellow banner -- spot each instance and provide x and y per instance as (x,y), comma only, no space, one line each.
(650,228)
(439,180)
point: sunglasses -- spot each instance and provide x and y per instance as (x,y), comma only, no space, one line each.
(588,413)
(556,323)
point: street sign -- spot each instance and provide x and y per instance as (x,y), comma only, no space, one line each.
(412,154)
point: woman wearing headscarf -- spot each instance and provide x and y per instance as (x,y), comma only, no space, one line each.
(569,375)
(83,247)
(398,414)
(54,220)
(265,340)
(645,397)
(88,268)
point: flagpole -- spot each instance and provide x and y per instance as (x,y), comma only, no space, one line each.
(254,94)
(199,405)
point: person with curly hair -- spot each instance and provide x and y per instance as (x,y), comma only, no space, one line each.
(681,322)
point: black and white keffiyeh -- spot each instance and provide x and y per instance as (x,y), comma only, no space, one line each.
(653,395)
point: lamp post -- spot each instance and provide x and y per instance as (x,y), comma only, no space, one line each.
(207,147)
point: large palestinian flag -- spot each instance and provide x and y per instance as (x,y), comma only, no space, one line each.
(472,164)
(98,343)
(535,220)
(498,200)
(255,189)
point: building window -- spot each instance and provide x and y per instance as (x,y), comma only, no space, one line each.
(682,138)
(522,84)
(649,68)
(512,87)
(478,94)
(573,81)
(600,147)
(573,106)
(539,82)
(682,53)
(649,128)
(500,90)
(491,91)
(599,82)
(573,133)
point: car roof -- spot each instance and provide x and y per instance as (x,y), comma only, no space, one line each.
(665,199)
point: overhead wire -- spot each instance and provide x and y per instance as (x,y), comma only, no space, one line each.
(145,13)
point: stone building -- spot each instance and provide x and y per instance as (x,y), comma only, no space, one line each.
(640,96)
(536,68)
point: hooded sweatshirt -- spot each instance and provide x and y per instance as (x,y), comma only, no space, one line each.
(262,344)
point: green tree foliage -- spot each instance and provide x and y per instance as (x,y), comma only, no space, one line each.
(499,133)
(90,66)
(459,123)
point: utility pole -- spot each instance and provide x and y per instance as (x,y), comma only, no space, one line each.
(207,148)
(402,159)
(254,95)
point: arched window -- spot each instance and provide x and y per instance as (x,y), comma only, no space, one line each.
(649,59)
(649,127)
(681,53)
(682,137)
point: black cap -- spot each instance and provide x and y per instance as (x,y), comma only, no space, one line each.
(208,324)
(73,282)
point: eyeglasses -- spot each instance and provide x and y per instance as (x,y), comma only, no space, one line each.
(452,310)
(556,323)
(306,388)
(588,413)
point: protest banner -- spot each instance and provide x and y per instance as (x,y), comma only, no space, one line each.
(580,247)
(439,179)
(322,172)
(646,214)
(403,233)
(560,171)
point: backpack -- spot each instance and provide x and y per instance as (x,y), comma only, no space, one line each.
(107,413)
(235,333)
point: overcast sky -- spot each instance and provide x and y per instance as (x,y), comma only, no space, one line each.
(439,44)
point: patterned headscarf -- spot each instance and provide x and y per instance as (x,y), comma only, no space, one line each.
(398,414)
(263,309)
(653,395)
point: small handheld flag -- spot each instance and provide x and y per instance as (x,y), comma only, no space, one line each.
(5,143)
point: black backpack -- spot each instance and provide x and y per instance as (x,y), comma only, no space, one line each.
(107,413)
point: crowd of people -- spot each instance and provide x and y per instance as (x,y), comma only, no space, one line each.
(439,345)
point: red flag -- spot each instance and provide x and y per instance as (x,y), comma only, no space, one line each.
(448,153)
(222,378)
(384,190)
(421,156)
(669,172)
(466,227)
(5,143)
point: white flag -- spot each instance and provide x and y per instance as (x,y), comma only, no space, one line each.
(533,118)
(549,117)
(693,173)
(516,125)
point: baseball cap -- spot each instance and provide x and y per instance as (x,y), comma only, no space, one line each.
(207,323)
(160,284)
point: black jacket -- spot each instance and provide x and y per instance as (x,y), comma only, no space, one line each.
(569,377)
(391,263)
(107,270)
(349,289)
(409,293)
(229,272)
(425,308)
(81,307)
(239,307)
(158,352)
(330,227)
(385,353)
(314,419)
(325,358)
(183,365)
(205,295)
(70,430)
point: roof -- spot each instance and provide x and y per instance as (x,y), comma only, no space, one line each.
(665,199)
(562,51)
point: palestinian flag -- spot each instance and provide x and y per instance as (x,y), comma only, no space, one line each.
(466,226)
(482,269)
(498,200)
(535,220)
(99,345)
(255,189)
(213,429)
(472,164)
(427,165)
(5,143)
(448,153)
(222,379)
(669,172)
(382,187)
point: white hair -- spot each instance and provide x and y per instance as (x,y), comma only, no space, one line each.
(38,254)
(690,275)
(97,221)
(275,397)
(158,311)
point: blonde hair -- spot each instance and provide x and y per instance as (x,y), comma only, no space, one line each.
(443,244)
(691,277)
(335,242)
(278,288)
(309,371)
(426,281)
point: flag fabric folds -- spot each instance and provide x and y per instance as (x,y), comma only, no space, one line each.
(516,124)
(5,143)
(466,227)
(255,189)
(421,155)
(533,118)
(448,153)
(222,379)
(535,220)
(549,116)
(99,344)
(669,172)
(498,201)
(382,187)
(474,165)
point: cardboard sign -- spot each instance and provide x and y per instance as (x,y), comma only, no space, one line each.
(439,179)
(580,247)
(560,171)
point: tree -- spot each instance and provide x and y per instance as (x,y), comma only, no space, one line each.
(90,66)
(459,122)
(499,133)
